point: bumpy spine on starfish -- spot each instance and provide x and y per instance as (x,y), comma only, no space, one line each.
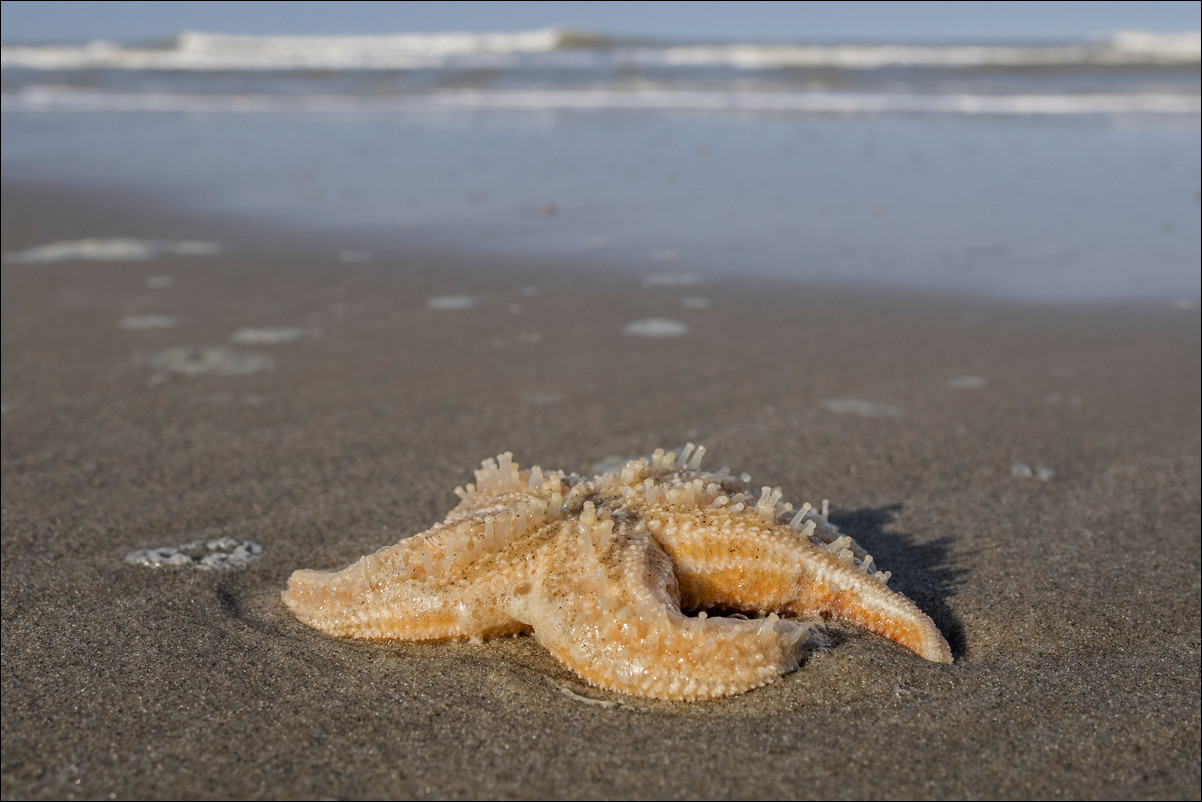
(730,553)
(607,605)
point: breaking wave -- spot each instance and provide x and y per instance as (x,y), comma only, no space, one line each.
(559,48)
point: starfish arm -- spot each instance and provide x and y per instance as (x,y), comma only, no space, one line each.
(449,582)
(734,559)
(608,607)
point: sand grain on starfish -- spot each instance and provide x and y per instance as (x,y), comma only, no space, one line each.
(601,570)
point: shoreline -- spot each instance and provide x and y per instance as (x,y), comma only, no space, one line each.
(882,202)
(1070,598)
(101,213)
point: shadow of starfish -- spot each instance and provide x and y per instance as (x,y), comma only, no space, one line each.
(921,570)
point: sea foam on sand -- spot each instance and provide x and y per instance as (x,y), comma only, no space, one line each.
(115,249)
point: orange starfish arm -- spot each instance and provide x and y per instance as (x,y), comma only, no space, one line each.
(453,581)
(779,569)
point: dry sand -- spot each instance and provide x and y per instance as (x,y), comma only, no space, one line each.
(1029,474)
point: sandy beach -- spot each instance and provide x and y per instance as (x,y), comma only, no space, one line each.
(1030,474)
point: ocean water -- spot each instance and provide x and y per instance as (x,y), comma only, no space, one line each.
(1062,171)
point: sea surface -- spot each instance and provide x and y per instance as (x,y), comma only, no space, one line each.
(1035,171)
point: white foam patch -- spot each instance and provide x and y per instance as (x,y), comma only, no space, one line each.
(656,327)
(220,554)
(1070,400)
(967,382)
(1023,471)
(159,282)
(671,280)
(267,336)
(354,257)
(116,249)
(210,361)
(543,399)
(190,247)
(450,303)
(148,322)
(861,407)
(696,302)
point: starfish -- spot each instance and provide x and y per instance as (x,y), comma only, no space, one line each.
(602,569)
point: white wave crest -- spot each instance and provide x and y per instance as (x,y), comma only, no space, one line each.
(194,51)
(205,51)
(1127,48)
(1183,48)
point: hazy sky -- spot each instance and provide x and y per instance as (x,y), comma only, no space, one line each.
(31,20)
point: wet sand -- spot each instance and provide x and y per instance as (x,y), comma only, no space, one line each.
(1030,474)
